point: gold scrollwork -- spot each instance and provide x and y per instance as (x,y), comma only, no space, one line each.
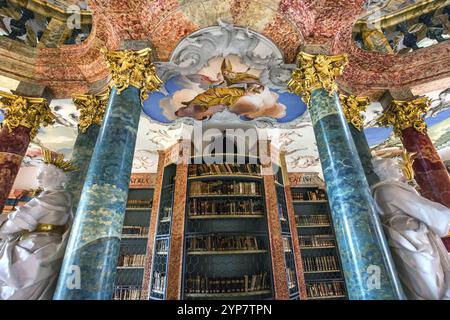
(406,114)
(133,68)
(353,106)
(315,72)
(92,109)
(407,164)
(25,111)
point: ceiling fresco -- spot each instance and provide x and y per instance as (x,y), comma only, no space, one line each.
(225,83)
(59,22)
(233,73)
(403,26)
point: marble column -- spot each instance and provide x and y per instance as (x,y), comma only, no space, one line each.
(366,261)
(23,117)
(89,267)
(92,109)
(353,106)
(429,169)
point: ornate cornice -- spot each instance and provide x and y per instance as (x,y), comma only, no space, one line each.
(353,107)
(92,109)
(133,68)
(316,72)
(406,114)
(25,111)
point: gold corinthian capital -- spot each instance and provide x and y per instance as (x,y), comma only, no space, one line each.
(133,68)
(353,108)
(25,111)
(316,72)
(92,109)
(406,114)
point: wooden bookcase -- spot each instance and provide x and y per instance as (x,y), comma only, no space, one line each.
(133,246)
(227,230)
(319,251)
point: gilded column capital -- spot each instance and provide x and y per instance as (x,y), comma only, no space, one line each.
(92,109)
(353,107)
(316,72)
(406,114)
(25,111)
(133,68)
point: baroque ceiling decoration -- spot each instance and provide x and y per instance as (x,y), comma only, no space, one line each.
(289,24)
(39,23)
(176,27)
(403,26)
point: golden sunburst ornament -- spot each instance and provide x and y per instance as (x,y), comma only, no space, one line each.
(57,161)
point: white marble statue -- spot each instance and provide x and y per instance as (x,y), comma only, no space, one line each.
(33,238)
(413,227)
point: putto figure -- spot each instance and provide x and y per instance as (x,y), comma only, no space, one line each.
(33,238)
(413,227)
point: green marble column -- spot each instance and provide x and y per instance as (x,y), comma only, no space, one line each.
(92,109)
(366,262)
(89,267)
(352,107)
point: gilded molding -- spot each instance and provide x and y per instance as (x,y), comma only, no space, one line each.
(92,109)
(25,111)
(353,107)
(406,114)
(133,68)
(316,72)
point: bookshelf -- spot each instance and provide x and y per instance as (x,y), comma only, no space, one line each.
(319,251)
(288,248)
(227,252)
(162,236)
(130,266)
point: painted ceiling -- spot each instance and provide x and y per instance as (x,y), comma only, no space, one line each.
(197,63)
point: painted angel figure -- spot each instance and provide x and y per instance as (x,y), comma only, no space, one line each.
(241,92)
(413,227)
(33,238)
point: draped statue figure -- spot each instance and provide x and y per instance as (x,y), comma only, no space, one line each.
(33,238)
(413,227)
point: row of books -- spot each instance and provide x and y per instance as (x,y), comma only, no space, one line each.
(131,260)
(241,207)
(322,263)
(129,231)
(287,244)
(309,195)
(162,246)
(291,278)
(223,243)
(223,169)
(318,240)
(224,187)
(139,204)
(308,220)
(247,283)
(127,294)
(325,289)
(159,282)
